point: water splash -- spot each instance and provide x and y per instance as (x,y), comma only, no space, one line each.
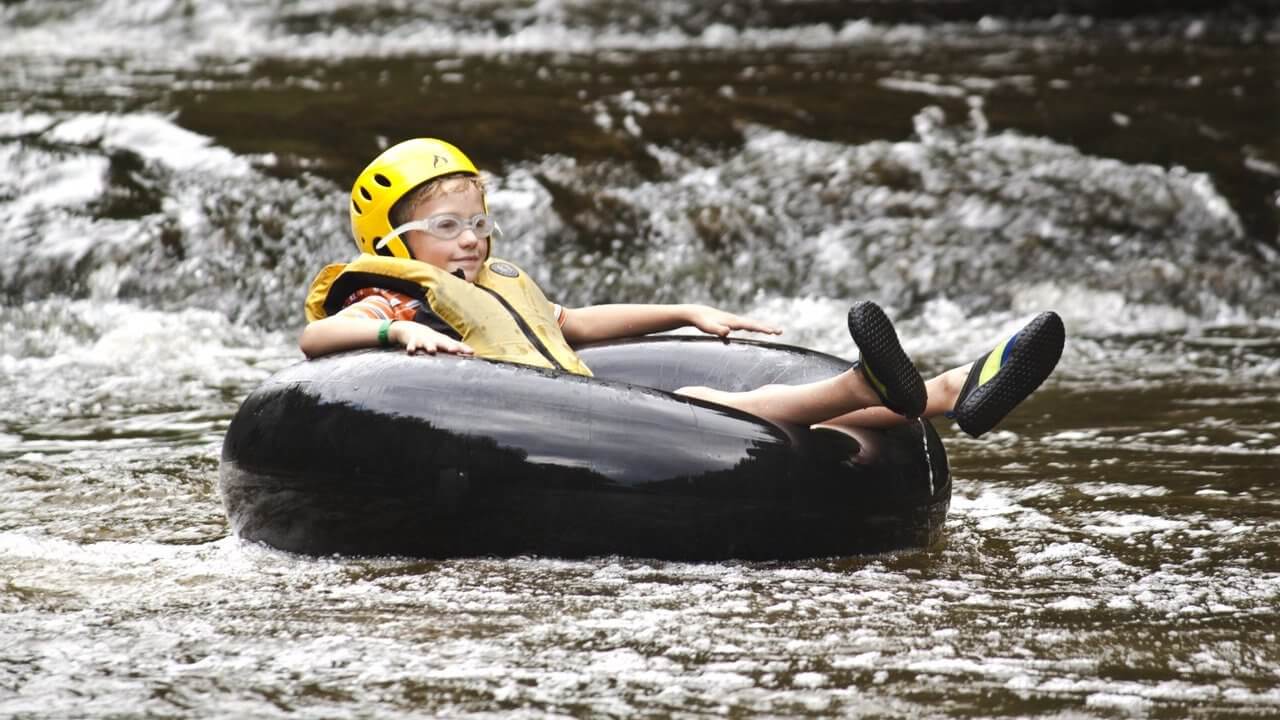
(956,212)
(134,208)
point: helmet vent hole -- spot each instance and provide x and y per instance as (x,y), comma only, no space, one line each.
(382,180)
(356,206)
(364,193)
(380,250)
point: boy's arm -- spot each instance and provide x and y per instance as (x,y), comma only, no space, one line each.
(609,322)
(337,333)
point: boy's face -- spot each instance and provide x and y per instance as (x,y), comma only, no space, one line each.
(465,252)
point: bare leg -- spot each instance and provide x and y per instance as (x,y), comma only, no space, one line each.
(799,404)
(943,390)
(843,400)
(884,376)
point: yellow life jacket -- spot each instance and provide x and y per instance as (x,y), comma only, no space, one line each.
(503,315)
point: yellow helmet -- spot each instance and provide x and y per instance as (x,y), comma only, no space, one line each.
(399,169)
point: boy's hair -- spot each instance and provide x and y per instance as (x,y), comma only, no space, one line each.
(434,188)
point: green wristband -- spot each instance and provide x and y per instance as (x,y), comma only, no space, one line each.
(384,333)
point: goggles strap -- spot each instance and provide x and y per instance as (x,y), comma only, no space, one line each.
(397,232)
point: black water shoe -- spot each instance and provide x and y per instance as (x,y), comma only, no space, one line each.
(884,363)
(1004,377)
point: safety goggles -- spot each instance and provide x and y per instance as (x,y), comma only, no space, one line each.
(446,226)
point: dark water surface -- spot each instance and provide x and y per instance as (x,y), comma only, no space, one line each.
(175,172)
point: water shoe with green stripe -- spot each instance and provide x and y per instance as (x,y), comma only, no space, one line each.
(884,363)
(1004,377)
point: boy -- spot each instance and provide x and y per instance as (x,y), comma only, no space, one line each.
(425,281)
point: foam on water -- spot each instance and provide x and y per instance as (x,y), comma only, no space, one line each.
(88,353)
(152,137)
(185,35)
(631,634)
(117,416)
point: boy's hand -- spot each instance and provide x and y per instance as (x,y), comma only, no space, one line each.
(718,322)
(416,337)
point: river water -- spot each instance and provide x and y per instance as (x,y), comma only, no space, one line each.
(174,172)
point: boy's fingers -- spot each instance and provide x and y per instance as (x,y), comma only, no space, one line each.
(453,347)
(753,326)
(763,328)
